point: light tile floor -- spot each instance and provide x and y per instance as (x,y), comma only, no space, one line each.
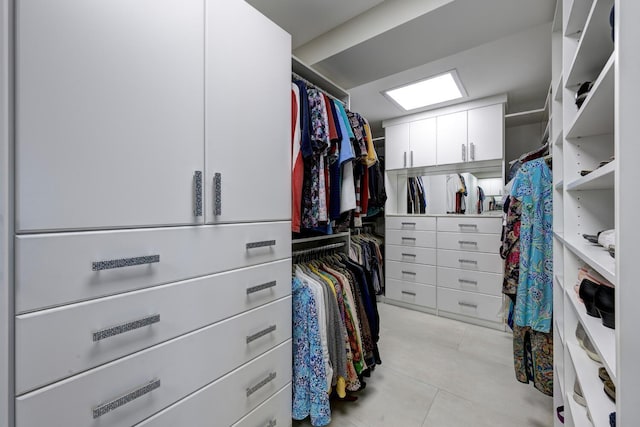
(438,372)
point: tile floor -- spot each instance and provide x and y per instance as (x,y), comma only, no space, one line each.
(438,372)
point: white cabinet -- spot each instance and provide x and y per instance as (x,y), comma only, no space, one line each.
(109,113)
(247,85)
(396,143)
(485,133)
(422,143)
(452,138)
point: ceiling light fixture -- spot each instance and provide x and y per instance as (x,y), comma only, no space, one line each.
(434,90)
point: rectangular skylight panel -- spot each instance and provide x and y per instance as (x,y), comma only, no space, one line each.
(434,90)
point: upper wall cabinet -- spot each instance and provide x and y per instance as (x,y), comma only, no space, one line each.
(110,113)
(486,133)
(410,145)
(396,146)
(452,138)
(248,70)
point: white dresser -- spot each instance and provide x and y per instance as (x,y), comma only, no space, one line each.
(152,245)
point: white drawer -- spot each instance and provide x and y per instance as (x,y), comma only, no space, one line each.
(470,304)
(182,365)
(475,261)
(68,332)
(469,242)
(410,223)
(55,269)
(411,255)
(409,272)
(412,293)
(423,239)
(225,401)
(472,281)
(274,412)
(470,225)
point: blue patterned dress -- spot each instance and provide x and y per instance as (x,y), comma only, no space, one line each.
(534,299)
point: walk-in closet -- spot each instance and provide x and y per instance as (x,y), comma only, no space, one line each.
(302,213)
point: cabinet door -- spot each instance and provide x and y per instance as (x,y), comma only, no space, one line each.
(452,138)
(248,115)
(396,146)
(486,133)
(422,138)
(110,112)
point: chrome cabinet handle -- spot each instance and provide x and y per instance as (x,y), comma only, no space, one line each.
(264,382)
(405,159)
(466,304)
(197,197)
(408,223)
(470,282)
(262,287)
(464,152)
(411,158)
(468,261)
(467,242)
(468,225)
(413,294)
(109,406)
(266,331)
(272,423)
(472,150)
(261,244)
(409,238)
(410,273)
(124,262)
(410,255)
(217,194)
(125,327)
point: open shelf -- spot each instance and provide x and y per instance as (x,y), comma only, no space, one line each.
(602,338)
(595,45)
(600,179)
(596,115)
(600,406)
(525,117)
(560,328)
(578,12)
(594,255)
(578,412)
(559,236)
(557,90)
(559,184)
(335,236)
(559,139)
(557,18)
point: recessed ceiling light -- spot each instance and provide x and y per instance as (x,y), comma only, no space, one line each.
(431,91)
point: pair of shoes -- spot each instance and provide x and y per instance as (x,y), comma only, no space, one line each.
(612,251)
(609,386)
(560,413)
(577,394)
(582,93)
(585,343)
(604,238)
(599,301)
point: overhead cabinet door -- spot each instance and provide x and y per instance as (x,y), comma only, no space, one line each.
(486,132)
(110,113)
(452,138)
(422,137)
(248,115)
(396,146)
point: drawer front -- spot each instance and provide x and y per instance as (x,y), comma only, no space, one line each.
(126,323)
(274,412)
(57,269)
(182,365)
(412,255)
(422,239)
(472,242)
(470,225)
(484,307)
(474,261)
(407,272)
(471,281)
(412,293)
(410,223)
(227,397)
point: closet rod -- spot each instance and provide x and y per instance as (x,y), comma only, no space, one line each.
(319,249)
(299,77)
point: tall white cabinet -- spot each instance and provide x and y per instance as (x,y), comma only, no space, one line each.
(150,262)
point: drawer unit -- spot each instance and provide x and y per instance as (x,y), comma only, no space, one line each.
(410,223)
(87,334)
(469,242)
(412,293)
(62,268)
(413,255)
(471,281)
(471,304)
(237,393)
(408,272)
(463,224)
(274,412)
(128,390)
(423,239)
(476,261)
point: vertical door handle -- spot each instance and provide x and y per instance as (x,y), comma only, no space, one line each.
(217,194)
(405,159)
(197,196)
(411,158)
(472,150)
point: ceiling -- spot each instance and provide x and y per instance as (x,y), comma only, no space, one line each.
(368,46)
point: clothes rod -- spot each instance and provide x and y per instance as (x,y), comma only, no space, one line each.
(319,249)
(299,77)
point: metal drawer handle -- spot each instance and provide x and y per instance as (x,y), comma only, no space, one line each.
(411,273)
(408,223)
(106,407)
(197,188)
(409,238)
(472,147)
(468,225)
(272,423)
(266,331)
(466,304)
(125,327)
(467,242)
(411,158)
(464,152)
(413,294)
(262,287)
(411,255)
(261,244)
(264,382)
(471,282)
(124,262)
(468,261)
(217,195)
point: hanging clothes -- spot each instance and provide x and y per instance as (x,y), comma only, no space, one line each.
(297,164)
(367,250)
